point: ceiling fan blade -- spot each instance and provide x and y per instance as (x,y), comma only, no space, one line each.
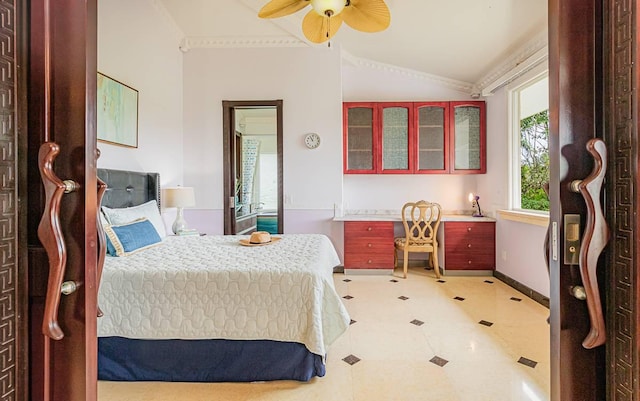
(367,15)
(280,8)
(315,26)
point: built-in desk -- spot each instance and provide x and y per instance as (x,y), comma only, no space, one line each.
(466,244)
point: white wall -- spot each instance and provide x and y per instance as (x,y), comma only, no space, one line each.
(138,46)
(309,83)
(519,246)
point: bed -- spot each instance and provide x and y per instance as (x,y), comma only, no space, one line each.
(207,309)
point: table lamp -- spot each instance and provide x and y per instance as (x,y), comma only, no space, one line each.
(179,197)
(475,204)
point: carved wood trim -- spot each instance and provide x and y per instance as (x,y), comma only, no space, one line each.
(621,125)
(12,279)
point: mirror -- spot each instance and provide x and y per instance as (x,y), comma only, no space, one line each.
(253,169)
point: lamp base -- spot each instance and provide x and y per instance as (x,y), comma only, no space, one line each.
(180,224)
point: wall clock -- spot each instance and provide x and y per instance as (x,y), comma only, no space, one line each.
(312,140)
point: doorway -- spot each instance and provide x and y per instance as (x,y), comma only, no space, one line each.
(252,166)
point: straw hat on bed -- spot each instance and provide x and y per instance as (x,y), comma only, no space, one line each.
(259,238)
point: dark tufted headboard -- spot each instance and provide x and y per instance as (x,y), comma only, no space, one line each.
(129,188)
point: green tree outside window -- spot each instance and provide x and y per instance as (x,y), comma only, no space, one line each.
(534,161)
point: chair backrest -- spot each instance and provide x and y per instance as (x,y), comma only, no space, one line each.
(421,220)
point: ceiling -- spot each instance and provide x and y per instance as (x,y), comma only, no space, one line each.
(462,40)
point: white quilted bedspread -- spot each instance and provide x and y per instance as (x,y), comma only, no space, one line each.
(211,287)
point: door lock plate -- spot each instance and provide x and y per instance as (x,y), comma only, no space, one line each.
(571,239)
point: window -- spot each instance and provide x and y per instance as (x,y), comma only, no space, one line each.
(530,145)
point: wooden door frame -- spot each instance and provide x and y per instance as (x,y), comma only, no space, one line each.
(228,133)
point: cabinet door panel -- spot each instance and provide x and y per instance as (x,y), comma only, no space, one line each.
(395,120)
(359,137)
(468,137)
(431,137)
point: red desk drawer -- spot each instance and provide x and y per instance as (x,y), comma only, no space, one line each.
(368,245)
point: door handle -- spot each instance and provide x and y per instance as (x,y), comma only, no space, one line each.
(51,237)
(595,238)
(102,242)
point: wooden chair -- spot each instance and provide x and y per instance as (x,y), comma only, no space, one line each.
(421,220)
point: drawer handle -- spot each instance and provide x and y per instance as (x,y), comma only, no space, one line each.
(369,245)
(468,228)
(368,228)
(468,245)
(469,262)
(369,261)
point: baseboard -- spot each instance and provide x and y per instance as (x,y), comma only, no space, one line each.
(369,272)
(536,296)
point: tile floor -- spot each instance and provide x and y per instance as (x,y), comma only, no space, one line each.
(457,339)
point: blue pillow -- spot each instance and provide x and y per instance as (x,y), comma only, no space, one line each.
(127,238)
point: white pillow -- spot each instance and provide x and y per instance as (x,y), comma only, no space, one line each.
(126,215)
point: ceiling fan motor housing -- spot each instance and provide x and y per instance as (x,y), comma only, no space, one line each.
(328,7)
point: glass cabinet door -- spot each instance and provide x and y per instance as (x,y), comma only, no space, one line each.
(395,120)
(468,137)
(431,133)
(359,143)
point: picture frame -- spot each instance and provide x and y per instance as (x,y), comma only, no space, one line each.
(117,112)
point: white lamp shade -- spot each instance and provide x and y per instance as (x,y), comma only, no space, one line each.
(322,6)
(179,197)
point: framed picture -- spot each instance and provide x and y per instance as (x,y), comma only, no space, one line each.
(117,112)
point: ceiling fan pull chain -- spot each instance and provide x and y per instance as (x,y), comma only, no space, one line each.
(328,28)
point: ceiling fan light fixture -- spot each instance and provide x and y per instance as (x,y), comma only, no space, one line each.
(328,7)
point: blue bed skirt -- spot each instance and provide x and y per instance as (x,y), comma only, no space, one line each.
(123,359)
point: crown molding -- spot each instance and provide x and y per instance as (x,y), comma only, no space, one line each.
(236,42)
(349,59)
(528,56)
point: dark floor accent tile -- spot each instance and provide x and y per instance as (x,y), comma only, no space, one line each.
(346,280)
(438,361)
(488,281)
(485,323)
(351,359)
(516,299)
(393,280)
(402,297)
(417,322)
(527,362)
(352,322)
(441,281)
(347,297)
(458,298)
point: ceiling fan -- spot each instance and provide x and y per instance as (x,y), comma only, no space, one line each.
(321,23)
